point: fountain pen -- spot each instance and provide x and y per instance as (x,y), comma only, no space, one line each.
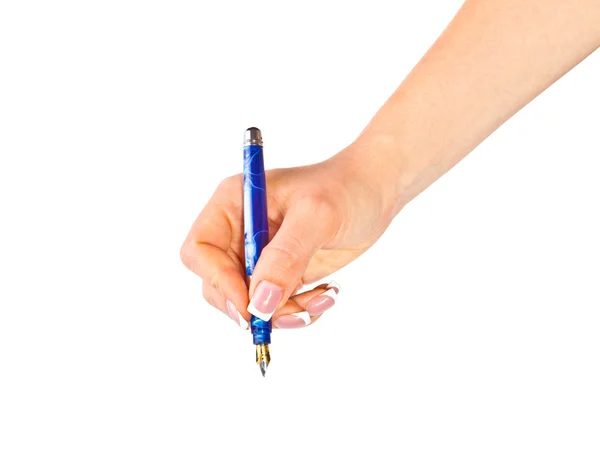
(256,232)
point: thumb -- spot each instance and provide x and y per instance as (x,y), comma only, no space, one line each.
(306,227)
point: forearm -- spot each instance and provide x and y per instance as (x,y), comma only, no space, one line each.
(494,57)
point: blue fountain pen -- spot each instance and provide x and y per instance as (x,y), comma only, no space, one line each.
(256,232)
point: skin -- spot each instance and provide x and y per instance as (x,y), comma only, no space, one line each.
(493,58)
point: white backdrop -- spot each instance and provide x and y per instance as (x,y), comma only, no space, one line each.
(117,121)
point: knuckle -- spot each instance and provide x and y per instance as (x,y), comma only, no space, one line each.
(219,279)
(216,279)
(185,256)
(230,183)
(288,252)
(318,204)
(207,294)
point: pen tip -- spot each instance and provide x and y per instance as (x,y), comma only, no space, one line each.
(263,357)
(263,367)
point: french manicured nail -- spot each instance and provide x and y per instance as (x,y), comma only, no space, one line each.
(335,286)
(236,316)
(265,300)
(324,301)
(297,320)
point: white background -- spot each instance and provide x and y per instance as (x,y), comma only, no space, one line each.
(117,121)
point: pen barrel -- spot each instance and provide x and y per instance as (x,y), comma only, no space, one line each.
(256,222)
(256,225)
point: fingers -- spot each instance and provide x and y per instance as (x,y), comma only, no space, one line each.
(214,251)
(307,226)
(209,250)
(305,308)
(299,311)
(220,270)
(223,281)
(216,299)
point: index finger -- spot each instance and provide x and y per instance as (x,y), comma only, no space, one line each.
(213,248)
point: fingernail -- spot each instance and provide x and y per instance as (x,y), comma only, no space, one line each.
(297,320)
(334,285)
(265,300)
(320,303)
(236,316)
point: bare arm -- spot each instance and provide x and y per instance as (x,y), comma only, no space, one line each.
(493,58)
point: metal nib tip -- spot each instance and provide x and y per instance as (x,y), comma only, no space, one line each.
(253,136)
(263,357)
(263,367)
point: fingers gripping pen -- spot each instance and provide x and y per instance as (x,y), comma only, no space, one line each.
(256,231)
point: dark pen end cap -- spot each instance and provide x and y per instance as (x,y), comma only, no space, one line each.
(253,136)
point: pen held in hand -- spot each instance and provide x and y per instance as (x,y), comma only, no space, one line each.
(256,234)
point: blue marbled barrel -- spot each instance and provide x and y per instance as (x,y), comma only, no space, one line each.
(256,225)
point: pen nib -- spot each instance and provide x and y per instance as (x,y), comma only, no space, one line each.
(263,367)
(263,357)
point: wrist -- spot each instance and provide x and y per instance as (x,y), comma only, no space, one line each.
(376,172)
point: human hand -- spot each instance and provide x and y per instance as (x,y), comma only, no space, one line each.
(321,217)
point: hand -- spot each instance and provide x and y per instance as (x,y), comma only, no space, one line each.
(321,217)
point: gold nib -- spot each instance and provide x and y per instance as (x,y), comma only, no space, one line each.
(263,357)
